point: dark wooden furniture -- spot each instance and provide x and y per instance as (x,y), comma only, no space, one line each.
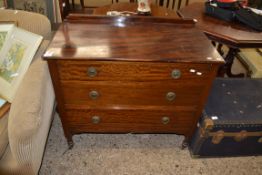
(130,74)
(132,7)
(171,3)
(165,3)
(116,1)
(81,3)
(4,109)
(65,7)
(160,8)
(234,35)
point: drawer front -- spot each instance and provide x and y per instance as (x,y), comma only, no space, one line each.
(130,71)
(104,93)
(129,120)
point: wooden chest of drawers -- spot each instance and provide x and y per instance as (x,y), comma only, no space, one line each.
(130,75)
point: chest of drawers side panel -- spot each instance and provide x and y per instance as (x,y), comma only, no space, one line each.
(53,69)
(203,97)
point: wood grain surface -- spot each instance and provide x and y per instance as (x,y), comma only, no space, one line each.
(129,120)
(4,109)
(131,71)
(132,67)
(143,39)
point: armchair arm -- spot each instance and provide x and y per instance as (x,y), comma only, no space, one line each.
(30,21)
(31,113)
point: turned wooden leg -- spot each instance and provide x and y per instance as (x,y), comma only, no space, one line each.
(69,136)
(219,49)
(70,141)
(64,7)
(73,4)
(70,144)
(214,43)
(226,68)
(56,109)
(82,4)
(185,143)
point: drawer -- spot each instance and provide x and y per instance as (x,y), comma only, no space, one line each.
(130,71)
(129,120)
(104,93)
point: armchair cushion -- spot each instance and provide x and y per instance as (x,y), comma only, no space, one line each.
(26,127)
(29,98)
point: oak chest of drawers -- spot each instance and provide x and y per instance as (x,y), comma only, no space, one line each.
(130,75)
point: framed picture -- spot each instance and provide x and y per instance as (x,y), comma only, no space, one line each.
(5,30)
(18,49)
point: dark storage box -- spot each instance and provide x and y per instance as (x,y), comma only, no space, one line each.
(231,124)
(224,14)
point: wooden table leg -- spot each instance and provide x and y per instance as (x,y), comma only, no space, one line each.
(82,4)
(69,138)
(73,4)
(226,68)
(185,143)
(64,6)
(219,49)
(4,109)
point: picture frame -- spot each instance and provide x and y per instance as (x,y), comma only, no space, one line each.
(16,55)
(6,29)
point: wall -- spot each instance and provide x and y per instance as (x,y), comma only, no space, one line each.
(45,7)
(1,3)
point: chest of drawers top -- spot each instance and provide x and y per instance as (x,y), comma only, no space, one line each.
(131,39)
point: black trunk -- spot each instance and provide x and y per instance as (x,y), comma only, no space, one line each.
(231,124)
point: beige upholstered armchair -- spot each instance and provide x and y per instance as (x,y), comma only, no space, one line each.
(24,130)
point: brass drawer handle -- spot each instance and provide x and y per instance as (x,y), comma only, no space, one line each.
(176,73)
(91,72)
(170,96)
(93,95)
(165,120)
(96,119)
